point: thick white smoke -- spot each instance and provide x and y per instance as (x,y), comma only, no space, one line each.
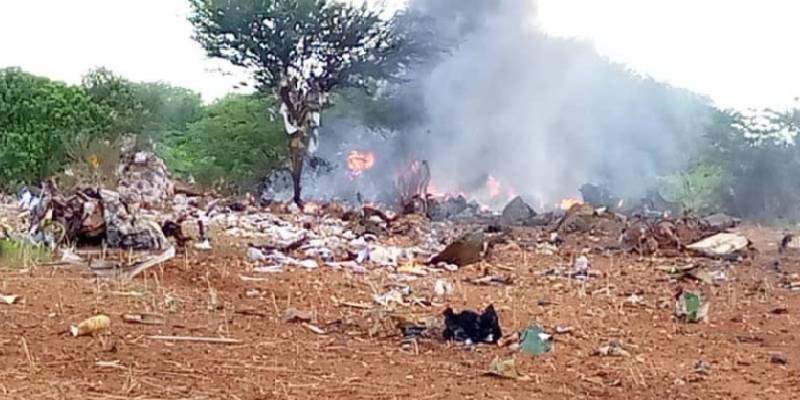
(542,115)
(547,115)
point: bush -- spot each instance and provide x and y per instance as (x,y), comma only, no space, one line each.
(696,189)
(235,144)
(36,116)
(143,109)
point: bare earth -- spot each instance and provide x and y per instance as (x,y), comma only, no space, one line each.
(752,317)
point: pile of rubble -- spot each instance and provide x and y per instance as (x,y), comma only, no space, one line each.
(99,215)
(450,232)
(144,180)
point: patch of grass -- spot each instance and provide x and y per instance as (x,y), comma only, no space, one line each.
(17,254)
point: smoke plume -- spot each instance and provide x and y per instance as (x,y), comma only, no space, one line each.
(539,114)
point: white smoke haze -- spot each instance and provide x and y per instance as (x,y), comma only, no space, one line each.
(541,115)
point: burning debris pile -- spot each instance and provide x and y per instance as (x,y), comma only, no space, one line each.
(425,229)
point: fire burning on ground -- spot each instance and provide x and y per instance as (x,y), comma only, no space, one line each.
(359,162)
(567,203)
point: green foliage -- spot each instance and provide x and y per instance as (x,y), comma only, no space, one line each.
(233,145)
(168,108)
(36,116)
(760,157)
(21,254)
(331,43)
(118,95)
(91,161)
(697,188)
(151,109)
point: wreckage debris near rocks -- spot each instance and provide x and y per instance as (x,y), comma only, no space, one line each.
(722,221)
(466,250)
(172,229)
(583,218)
(518,212)
(721,245)
(471,327)
(124,230)
(91,216)
(112,269)
(144,180)
(448,207)
(598,196)
(789,244)
(664,236)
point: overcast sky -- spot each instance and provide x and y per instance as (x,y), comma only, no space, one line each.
(742,53)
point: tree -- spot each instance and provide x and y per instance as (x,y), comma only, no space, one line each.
(148,109)
(301,50)
(759,155)
(118,95)
(37,115)
(230,144)
(169,108)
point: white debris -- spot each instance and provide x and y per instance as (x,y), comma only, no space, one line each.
(442,287)
(581,264)
(393,296)
(205,245)
(255,255)
(269,269)
(307,264)
(386,256)
(722,244)
(68,256)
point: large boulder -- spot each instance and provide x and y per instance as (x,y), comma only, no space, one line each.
(518,212)
(144,180)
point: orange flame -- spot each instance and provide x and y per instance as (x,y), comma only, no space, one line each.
(360,161)
(567,203)
(494,186)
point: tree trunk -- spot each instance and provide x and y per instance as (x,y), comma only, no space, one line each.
(300,109)
(297,154)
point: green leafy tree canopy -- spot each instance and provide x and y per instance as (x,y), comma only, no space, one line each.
(36,116)
(233,145)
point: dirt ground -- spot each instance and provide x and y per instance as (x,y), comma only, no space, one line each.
(215,294)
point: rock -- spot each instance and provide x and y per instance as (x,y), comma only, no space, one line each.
(294,315)
(126,231)
(722,221)
(779,359)
(144,180)
(789,242)
(465,250)
(517,212)
(444,209)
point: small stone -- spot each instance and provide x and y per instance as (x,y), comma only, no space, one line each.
(779,359)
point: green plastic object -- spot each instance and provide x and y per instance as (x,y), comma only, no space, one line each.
(534,341)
